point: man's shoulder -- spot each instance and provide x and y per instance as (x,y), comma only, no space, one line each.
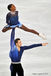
(22,47)
(14,49)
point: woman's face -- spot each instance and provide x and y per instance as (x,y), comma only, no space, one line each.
(13,8)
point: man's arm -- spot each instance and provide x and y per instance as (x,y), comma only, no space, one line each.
(12,39)
(34,45)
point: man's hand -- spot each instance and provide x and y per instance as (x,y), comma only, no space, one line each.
(44,44)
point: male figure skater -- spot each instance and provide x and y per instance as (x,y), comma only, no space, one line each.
(12,21)
(16,52)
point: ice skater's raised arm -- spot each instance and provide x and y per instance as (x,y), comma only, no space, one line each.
(12,39)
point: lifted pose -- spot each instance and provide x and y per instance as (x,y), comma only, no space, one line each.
(12,21)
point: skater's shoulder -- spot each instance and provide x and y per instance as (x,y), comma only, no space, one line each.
(16,12)
(9,13)
(21,47)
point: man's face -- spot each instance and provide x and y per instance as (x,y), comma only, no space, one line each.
(13,8)
(19,43)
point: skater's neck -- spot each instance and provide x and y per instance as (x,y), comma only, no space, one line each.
(12,12)
(18,48)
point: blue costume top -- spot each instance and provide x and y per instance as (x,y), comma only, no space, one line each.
(14,54)
(13,20)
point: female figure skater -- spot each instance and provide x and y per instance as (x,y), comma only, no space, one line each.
(12,21)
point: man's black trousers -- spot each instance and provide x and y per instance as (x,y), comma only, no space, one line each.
(16,69)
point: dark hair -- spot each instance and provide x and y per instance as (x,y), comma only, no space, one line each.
(9,6)
(16,40)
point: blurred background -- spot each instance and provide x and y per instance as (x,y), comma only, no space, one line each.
(35,14)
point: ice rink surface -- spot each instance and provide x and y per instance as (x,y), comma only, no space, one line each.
(35,14)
